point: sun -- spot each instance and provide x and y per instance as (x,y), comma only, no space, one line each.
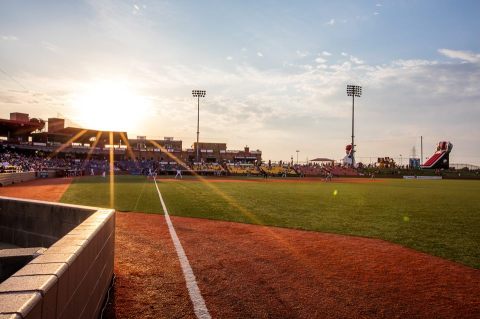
(110,106)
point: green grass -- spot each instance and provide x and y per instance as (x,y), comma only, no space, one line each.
(441,218)
(132,193)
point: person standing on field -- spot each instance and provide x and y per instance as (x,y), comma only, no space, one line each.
(179,174)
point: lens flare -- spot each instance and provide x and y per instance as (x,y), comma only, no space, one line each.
(110,106)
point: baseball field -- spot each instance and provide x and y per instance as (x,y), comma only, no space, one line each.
(286,248)
(437,217)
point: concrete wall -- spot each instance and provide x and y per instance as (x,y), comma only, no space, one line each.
(12,259)
(13,178)
(36,224)
(71,278)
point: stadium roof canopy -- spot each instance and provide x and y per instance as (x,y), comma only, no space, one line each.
(17,128)
(80,135)
(322,159)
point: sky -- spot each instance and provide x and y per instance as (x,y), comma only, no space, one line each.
(275,72)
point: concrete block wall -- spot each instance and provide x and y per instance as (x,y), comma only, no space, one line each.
(36,224)
(12,259)
(70,279)
(13,178)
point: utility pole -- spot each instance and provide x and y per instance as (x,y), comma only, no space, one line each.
(421,150)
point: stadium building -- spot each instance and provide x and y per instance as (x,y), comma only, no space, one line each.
(27,134)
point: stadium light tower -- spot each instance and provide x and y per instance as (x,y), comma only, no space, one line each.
(353,91)
(297,155)
(198,94)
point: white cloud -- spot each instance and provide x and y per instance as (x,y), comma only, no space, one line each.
(344,54)
(331,22)
(376,13)
(9,38)
(260,54)
(50,47)
(229,58)
(306,96)
(320,60)
(302,54)
(413,63)
(326,53)
(138,8)
(356,60)
(461,55)
(274,109)
(379,5)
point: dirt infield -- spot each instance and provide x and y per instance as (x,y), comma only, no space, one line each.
(50,189)
(246,271)
(149,280)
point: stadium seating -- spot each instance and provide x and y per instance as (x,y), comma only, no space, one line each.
(208,168)
(343,171)
(243,169)
(311,170)
(278,170)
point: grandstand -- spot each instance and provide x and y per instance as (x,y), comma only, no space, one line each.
(278,170)
(343,171)
(30,136)
(242,169)
(208,169)
(311,170)
(27,146)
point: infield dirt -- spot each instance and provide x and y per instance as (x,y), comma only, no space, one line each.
(50,189)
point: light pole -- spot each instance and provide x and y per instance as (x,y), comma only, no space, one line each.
(297,155)
(353,91)
(401,160)
(198,94)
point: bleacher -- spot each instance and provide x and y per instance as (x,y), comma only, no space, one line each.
(311,170)
(278,170)
(343,171)
(243,169)
(208,168)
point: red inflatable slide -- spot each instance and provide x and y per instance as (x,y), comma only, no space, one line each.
(440,159)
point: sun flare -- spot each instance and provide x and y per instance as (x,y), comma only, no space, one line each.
(110,106)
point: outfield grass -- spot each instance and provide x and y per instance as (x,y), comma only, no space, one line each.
(441,218)
(132,193)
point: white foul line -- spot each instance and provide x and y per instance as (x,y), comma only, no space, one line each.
(199,306)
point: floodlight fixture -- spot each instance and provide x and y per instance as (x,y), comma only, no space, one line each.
(198,94)
(353,91)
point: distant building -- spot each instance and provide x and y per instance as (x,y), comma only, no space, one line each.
(19,127)
(29,134)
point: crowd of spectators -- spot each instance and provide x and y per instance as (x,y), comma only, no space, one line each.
(12,161)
